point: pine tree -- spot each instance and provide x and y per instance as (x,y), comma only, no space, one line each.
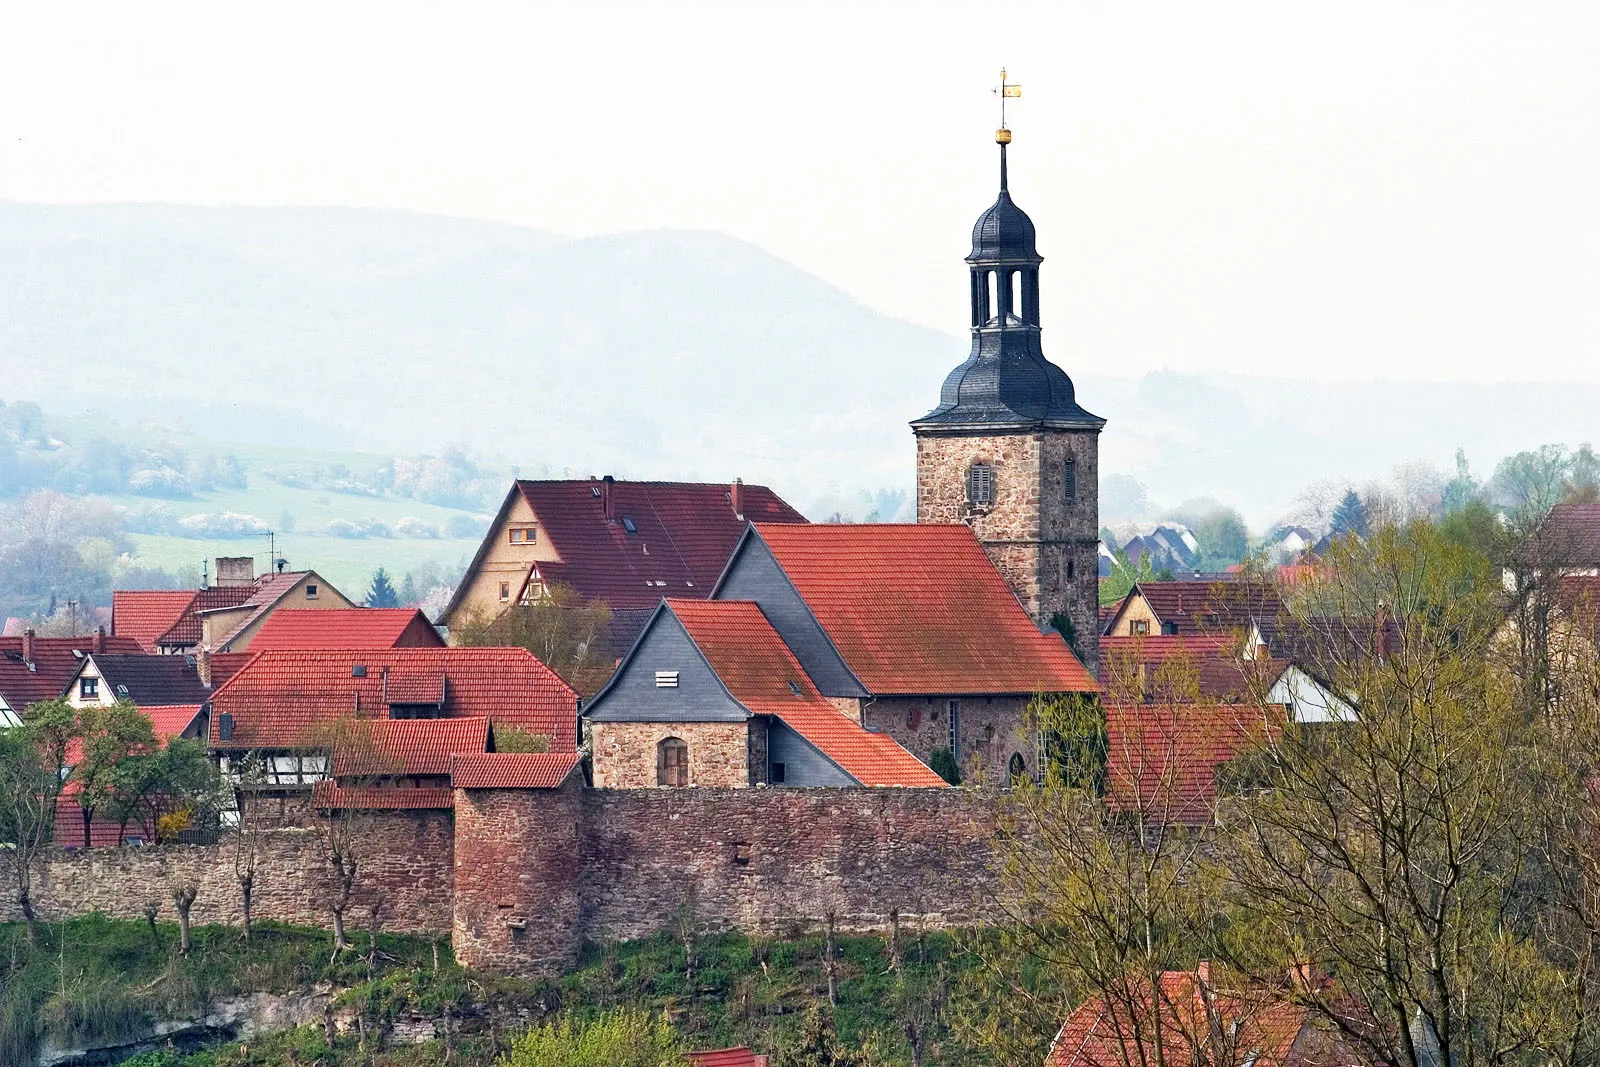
(1351,516)
(381,593)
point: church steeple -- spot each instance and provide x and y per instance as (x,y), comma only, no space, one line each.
(1006,380)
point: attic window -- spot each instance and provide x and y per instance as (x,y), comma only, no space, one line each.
(505,592)
(88,687)
(666,679)
(980,485)
(311,592)
(627,524)
(523,535)
(1138,627)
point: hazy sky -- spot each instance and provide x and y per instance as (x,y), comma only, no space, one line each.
(1354,189)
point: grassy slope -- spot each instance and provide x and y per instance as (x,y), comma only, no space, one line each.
(346,562)
(109,977)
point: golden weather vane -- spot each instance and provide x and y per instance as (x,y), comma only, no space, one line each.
(1005,91)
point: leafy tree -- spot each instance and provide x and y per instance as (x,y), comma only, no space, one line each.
(117,748)
(1584,483)
(381,593)
(1461,490)
(943,762)
(1350,517)
(618,1039)
(32,769)
(1527,484)
(819,1046)
(568,634)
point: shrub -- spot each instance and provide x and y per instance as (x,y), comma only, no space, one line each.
(619,1039)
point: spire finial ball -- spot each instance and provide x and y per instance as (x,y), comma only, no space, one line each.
(1002,136)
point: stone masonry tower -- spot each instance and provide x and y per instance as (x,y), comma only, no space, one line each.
(1008,451)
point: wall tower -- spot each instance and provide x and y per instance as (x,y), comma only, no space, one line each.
(1008,451)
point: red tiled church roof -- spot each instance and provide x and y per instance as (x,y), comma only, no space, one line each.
(345,628)
(512,770)
(145,614)
(758,670)
(279,696)
(920,609)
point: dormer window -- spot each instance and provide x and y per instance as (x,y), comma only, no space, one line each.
(980,485)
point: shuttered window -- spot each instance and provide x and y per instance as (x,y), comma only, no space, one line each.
(672,762)
(1069,480)
(980,485)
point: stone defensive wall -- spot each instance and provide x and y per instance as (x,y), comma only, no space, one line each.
(520,879)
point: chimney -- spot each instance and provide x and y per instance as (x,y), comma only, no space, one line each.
(736,497)
(27,647)
(236,570)
(99,639)
(605,498)
(202,665)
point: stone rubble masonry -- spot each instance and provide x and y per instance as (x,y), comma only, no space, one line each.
(406,858)
(522,878)
(992,729)
(1046,546)
(625,752)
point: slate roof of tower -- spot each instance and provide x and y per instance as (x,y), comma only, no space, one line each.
(278,698)
(145,614)
(55,661)
(920,609)
(146,679)
(340,628)
(758,670)
(683,535)
(513,770)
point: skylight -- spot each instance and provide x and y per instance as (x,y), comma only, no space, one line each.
(627,524)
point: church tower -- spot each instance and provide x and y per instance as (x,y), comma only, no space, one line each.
(1008,451)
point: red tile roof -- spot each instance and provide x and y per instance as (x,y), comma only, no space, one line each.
(1162,759)
(512,770)
(55,661)
(1120,1028)
(346,628)
(382,797)
(1571,534)
(742,1056)
(225,665)
(146,614)
(278,696)
(920,609)
(171,720)
(684,533)
(1213,606)
(188,629)
(758,669)
(1204,668)
(269,589)
(413,747)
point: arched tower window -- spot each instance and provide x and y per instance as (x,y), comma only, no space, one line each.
(980,485)
(672,762)
(1069,480)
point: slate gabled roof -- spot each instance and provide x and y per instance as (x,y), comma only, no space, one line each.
(55,661)
(762,674)
(279,697)
(145,614)
(920,609)
(345,628)
(150,680)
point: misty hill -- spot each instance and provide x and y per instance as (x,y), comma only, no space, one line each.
(652,354)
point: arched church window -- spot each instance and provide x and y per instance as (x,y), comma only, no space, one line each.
(672,762)
(980,485)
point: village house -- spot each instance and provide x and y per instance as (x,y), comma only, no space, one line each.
(167,722)
(223,617)
(628,544)
(103,679)
(907,631)
(1221,667)
(34,668)
(287,709)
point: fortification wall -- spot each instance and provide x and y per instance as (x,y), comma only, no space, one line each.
(405,857)
(521,878)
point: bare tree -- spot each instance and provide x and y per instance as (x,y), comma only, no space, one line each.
(183,898)
(249,836)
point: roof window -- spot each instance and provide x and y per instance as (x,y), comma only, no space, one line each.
(794,687)
(358,671)
(627,524)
